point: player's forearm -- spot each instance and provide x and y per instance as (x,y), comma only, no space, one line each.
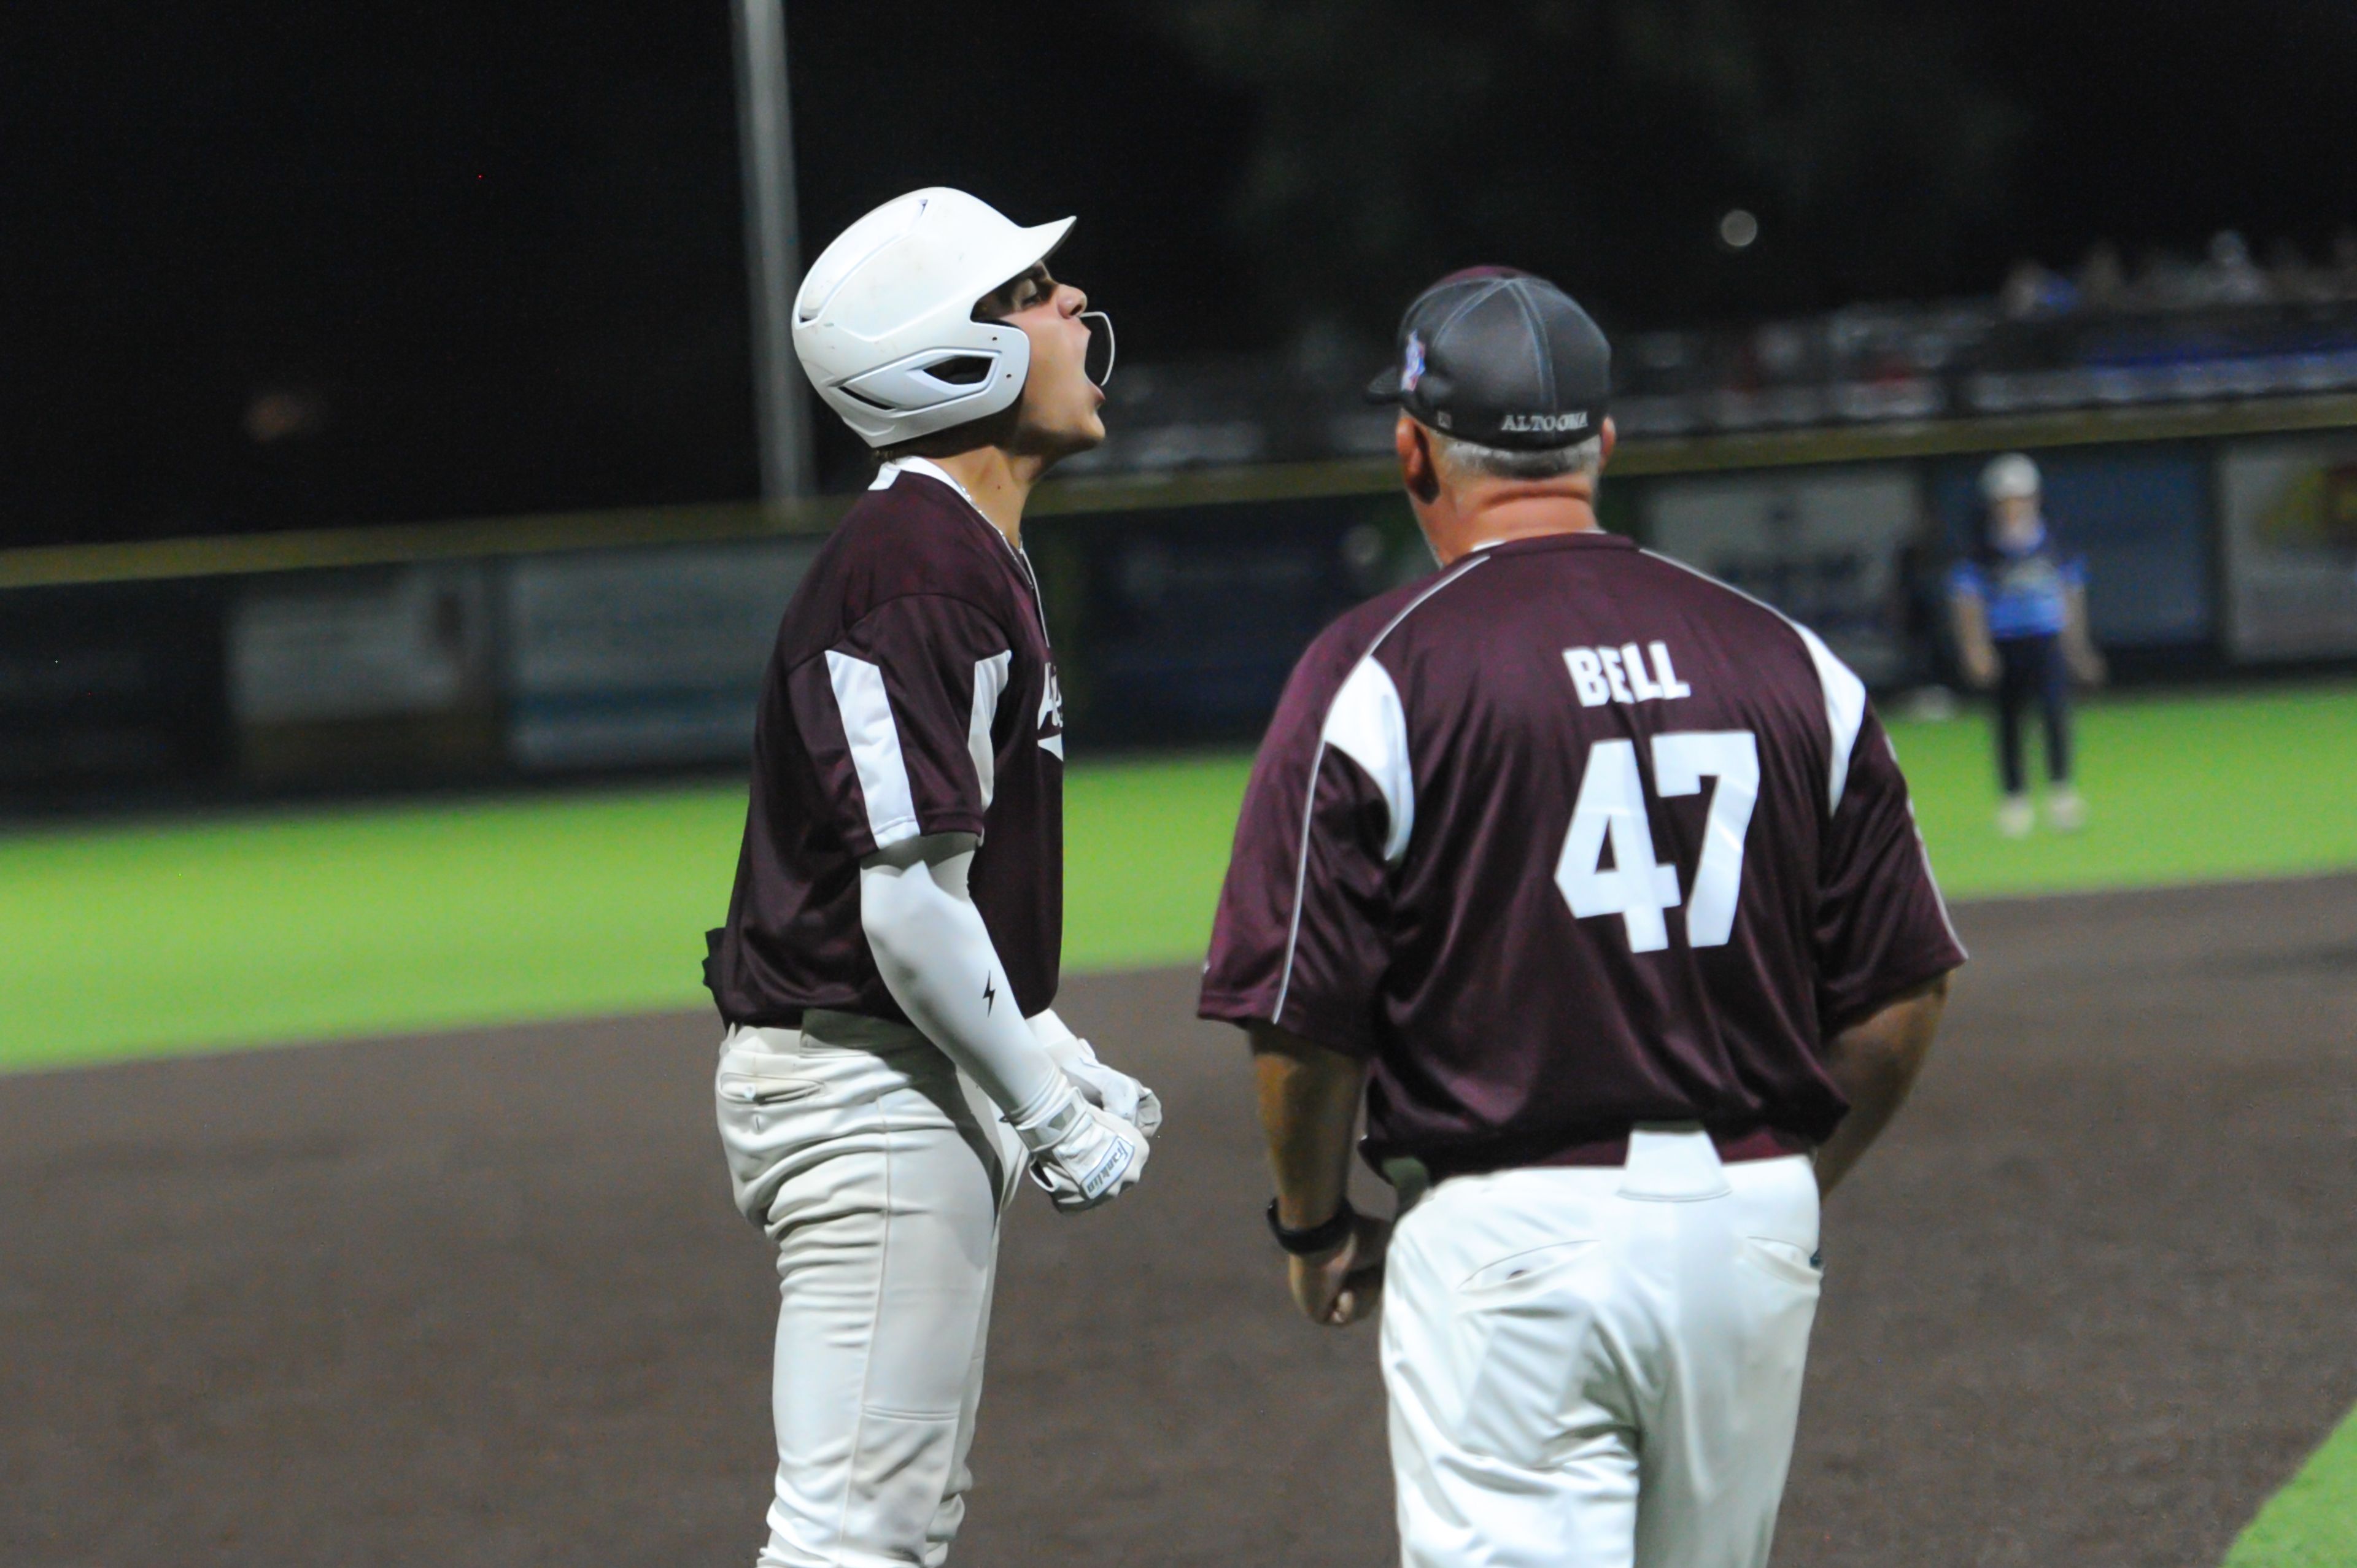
(2078,637)
(1968,620)
(1874,1063)
(1308,1111)
(1055,1037)
(938,961)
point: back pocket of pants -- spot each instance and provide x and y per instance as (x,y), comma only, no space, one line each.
(1524,1271)
(750,1100)
(762,1091)
(1787,1261)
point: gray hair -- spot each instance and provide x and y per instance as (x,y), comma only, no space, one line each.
(1461,456)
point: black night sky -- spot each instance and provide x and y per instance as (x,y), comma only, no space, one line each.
(272,264)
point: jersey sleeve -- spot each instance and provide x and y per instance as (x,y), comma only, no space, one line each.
(1298,938)
(897,718)
(1881,925)
(1966,580)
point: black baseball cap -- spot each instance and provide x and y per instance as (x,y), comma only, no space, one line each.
(1500,357)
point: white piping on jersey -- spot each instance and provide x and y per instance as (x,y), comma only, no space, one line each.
(1845,709)
(1367,725)
(989,680)
(1854,695)
(875,742)
(1317,761)
(1844,694)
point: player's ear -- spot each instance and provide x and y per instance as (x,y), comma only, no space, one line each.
(1416,467)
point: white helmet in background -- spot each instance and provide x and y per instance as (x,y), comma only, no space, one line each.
(884,324)
(2009,477)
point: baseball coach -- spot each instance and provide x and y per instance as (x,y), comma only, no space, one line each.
(1600,882)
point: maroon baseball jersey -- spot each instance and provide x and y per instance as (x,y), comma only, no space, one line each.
(1569,837)
(912,691)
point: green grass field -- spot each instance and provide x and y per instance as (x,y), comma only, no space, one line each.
(2312,1523)
(139,940)
(179,935)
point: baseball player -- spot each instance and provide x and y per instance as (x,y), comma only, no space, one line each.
(2019,607)
(1600,880)
(892,1063)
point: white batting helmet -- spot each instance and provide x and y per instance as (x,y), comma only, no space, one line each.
(2008,476)
(884,324)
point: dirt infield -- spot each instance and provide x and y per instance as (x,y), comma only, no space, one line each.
(481,1300)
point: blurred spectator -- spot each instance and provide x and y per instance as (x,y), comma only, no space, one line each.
(2103,278)
(2032,290)
(2344,262)
(2231,276)
(2171,328)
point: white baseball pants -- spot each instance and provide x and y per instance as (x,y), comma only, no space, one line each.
(1601,1368)
(881,1172)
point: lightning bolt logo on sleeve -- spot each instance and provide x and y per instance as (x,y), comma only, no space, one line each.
(989,993)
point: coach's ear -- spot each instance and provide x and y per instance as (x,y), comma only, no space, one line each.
(1416,469)
(1608,437)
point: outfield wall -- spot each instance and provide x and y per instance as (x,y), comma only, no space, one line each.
(539,648)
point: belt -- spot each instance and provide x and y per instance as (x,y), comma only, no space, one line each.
(776,1019)
(1734,1148)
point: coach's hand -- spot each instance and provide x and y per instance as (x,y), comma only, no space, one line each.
(1342,1286)
(1082,1155)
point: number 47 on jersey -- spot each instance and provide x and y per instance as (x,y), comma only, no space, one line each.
(1611,807)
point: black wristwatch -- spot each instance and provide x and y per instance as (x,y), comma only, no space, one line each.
(1323,1237)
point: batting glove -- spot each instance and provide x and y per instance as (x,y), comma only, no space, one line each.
(1083,1155)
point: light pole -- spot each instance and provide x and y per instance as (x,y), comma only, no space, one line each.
(765,140)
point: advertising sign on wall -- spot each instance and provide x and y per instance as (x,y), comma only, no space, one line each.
(1180,627)
(2290,522)
(626,658)
(110,685)
(1823,546)
(409,639)
(365,675)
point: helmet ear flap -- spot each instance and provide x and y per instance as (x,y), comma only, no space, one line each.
(912,396)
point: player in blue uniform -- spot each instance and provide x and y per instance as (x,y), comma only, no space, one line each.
(2019,607)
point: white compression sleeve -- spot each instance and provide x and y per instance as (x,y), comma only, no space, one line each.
(1052,1031)
(938,961)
